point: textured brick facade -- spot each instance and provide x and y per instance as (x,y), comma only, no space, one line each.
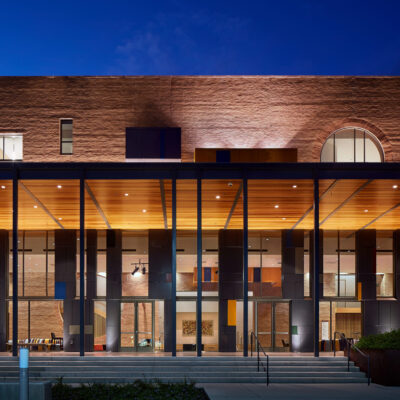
(223,111)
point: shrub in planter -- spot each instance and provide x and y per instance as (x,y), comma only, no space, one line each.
(388,340)
(384,352)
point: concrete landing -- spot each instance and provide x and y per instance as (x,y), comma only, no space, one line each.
(348,391)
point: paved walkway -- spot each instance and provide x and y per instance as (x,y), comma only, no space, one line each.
(275,391)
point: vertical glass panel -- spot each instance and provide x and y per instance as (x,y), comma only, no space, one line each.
(306,264)
(127,326)
(344,146)
(159,326)
(348,318)
(34,263)
(186,326)
(239,324)
(384,264)
(145,333)
(209,322)
(135,263)
(1,147)
(101,276)
(360,156)
(325,328)
(282,337)
(372,153)
(46,319)
(100,325)
(330,246)
(264,324)
(347,264)
(327,153)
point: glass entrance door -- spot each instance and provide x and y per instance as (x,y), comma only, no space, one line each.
(272,325)
(137,326)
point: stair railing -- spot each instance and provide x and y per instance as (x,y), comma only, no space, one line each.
(254,340)
(350,345)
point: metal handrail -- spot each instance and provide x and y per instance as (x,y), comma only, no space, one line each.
(259,361)
(351,345)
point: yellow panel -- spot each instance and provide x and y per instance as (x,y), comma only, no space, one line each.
(231,312)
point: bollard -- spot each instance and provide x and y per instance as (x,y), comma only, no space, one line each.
(24,374)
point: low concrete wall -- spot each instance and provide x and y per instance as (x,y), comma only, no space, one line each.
(37,390)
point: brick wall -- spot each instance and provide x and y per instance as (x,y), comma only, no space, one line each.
(255,111)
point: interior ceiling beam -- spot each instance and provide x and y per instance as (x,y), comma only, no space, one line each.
(235,201)
(41,205)
(380,216)
(331,186)
(96,203)
(163,203)
(355,193)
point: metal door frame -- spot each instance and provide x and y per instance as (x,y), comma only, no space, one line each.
(273,332)
(135,348)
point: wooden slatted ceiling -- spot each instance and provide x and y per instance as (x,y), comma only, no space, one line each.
(125,212)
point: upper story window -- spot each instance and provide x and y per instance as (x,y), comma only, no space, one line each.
(11,147)
(352,145)
(66,136)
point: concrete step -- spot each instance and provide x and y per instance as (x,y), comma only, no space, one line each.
(94,379)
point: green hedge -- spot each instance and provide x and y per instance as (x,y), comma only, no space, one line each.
(139,390)
(388,340)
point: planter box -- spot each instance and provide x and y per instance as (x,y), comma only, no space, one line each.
(384,365)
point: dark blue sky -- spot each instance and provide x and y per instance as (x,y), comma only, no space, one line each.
(200,37)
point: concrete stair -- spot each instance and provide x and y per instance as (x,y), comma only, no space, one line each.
(168,369)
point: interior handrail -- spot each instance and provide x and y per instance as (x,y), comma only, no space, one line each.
(259,361)
(351,345)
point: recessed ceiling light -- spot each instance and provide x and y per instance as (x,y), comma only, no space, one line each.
(35,206)
(126,194)
(3,187)
(217,196)
(294,186)
(144,210)
(59,186)
(266,238)
(365,210)
(230,184)
(394,186)
(60,219)
(284,218)
(276,205)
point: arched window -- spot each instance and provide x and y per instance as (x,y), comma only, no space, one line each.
(352,145)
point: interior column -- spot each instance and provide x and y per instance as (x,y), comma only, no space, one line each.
(230,272)
(366,263)
(65,284)
(113,289)
(4,256)
(292,264)
(160,277)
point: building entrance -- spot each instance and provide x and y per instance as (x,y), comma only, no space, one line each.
(137,326)
(272,325)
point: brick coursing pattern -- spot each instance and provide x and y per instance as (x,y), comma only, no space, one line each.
(213,111)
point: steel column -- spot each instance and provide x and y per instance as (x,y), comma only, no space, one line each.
(173,286)
(82,268)
(316,268)
(199,271)
(15,263)
(245,270)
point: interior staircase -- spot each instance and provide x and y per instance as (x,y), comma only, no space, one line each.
(125,369)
